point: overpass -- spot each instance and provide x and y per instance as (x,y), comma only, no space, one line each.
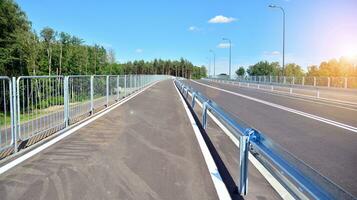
(144,139)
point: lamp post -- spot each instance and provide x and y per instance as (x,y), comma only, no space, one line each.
(209,66)
(283,11)
(214,62)
(230,56)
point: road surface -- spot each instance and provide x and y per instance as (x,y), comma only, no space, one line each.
(329,148)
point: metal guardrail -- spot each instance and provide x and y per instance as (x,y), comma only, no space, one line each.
(346,96)
(300,180)
(34,107)
(330,82)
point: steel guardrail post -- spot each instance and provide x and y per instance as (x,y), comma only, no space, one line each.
(193,99)
(13,108)
(243,164)
(204,115)
(91,95)
(66,100)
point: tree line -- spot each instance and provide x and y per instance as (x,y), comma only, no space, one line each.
(344,67)
(23,51)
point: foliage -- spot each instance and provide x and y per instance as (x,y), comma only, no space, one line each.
(334,68)
(240,71)
(264,68)
(293,69)
(24,52)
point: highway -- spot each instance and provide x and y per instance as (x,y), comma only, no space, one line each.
(321,134)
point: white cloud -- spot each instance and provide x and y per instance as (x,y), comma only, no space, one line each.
(139,50)
(220,19)
(193,28)
(271,53)
(223,45)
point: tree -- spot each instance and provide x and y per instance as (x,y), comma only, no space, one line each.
(240,71)
(264,68)
(48,35)
(14,32)
(293,69)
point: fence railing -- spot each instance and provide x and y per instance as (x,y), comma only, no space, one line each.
(35,107)
(344,96)
(329,82)
(300,180)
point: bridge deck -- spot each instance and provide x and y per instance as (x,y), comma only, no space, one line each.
(143,149)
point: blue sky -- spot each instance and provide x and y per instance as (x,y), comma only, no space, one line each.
(169,29)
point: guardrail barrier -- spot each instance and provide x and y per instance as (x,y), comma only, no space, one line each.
(300,180)
(334,82)
(35,107)
(337,95)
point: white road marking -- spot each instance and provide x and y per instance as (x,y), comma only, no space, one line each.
(37,150)
(296,97)
(317,118)
(265,173)
(220,187)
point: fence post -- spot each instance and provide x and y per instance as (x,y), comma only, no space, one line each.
(13,108)
(18,108)
(66,101)
(328,81)
(91,95)
(124,85)
(314,81)
(243,164)
(118,90)
(346,81)
(107,90)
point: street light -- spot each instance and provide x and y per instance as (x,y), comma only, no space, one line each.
(214,62)
(230,55)
(209,66)
(282,9)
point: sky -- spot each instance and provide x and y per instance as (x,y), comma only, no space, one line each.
(316,30)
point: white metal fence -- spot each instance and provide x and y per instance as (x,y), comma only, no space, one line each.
(34,107)
(335,82)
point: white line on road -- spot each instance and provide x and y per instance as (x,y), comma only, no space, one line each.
(297,97)
(220,187)
(280,189)
(37,150)
(321,119)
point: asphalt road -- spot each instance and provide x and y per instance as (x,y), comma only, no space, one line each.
(53,119)
(329,149)
(144,149)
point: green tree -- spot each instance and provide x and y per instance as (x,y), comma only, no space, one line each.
(264,68)
(240,71)
(293,69)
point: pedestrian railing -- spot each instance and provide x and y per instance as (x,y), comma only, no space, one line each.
(346,96)
(300,180)
(329,82)
(35,107)
(6,114)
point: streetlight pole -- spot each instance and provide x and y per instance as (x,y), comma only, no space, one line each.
(230,56)
(209,66)
(283,11)
(214,62)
